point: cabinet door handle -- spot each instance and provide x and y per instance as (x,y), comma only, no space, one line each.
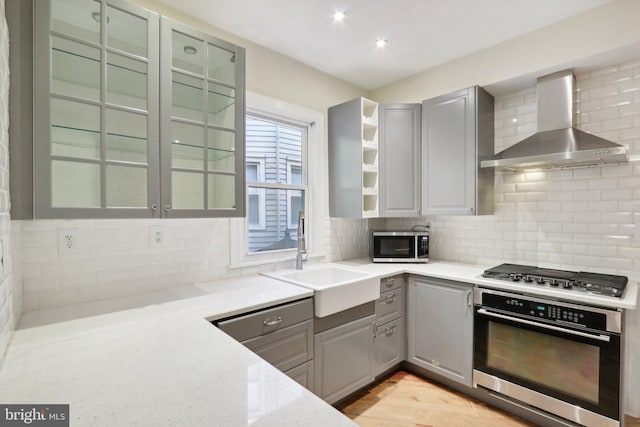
(389,282)
(389,298)
(469,301)
(154,207)
(274,322)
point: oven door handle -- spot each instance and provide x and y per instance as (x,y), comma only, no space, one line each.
(605,338)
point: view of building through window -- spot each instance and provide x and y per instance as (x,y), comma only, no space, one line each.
(276,182)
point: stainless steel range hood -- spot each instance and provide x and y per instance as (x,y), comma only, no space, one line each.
(557,143)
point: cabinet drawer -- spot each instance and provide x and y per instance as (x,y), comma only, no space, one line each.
(286,348)
(302,374)
(390,306)
(393,282)
(389,345)
(267,321)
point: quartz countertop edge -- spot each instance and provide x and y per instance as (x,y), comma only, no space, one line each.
(163,363)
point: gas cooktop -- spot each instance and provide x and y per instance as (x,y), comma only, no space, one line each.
(594,283)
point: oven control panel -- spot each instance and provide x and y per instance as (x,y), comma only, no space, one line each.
(547,311)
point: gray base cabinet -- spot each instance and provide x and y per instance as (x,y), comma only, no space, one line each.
(390,338)
(302,374)
(282,335)
(344,359)
(440,327)
(389,344)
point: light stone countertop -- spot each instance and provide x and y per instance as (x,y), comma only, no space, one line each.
(163,363)
(471,273)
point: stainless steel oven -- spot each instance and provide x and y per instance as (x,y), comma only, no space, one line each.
(561,357)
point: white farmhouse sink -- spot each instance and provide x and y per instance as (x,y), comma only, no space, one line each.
(335,288)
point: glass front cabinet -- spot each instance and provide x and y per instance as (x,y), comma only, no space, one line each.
(134,115)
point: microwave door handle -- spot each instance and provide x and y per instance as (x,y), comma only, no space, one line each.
(605,338)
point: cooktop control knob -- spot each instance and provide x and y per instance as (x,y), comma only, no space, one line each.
(528,278)
(567,285)
(540,280)
(553,282)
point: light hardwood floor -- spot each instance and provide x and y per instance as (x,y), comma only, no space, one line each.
(406,400)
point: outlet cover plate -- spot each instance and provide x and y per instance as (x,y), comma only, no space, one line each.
(68,242)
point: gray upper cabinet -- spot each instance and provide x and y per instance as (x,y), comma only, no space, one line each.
(400,162)
(353,159)
(440,327)
(457,133)
(106,110)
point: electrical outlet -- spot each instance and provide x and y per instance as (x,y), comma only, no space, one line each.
(68,242)
(156,236)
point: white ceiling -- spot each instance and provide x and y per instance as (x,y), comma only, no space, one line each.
(421,34)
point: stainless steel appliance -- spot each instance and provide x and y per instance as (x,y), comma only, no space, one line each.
(558,356)
(558,143)
(399,246)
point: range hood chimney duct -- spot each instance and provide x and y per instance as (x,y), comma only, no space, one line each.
(557,143)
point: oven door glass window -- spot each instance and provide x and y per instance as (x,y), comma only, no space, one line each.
(567,366)
(395,247)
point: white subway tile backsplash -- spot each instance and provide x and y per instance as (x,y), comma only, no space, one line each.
(11,282)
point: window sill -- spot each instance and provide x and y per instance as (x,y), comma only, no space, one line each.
(273,261)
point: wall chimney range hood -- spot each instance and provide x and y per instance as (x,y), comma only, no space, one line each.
(557,143)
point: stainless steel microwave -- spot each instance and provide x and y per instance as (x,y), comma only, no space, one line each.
(399,246)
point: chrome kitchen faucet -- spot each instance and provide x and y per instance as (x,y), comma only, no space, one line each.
(302,250)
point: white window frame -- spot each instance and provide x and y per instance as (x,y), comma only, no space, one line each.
(316,197)
(262,217)
(291,165)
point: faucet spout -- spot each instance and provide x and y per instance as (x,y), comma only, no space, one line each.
(302,250)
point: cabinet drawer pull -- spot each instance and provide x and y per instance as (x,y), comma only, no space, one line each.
(275,322)
(390,298)
(389,282)
(389,330)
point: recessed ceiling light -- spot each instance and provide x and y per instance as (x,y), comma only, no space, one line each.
(190,50)
(381,43)
(339,15)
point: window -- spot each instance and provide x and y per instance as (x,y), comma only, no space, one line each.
(277,193)
(254,170)
(294,204)
(274,195)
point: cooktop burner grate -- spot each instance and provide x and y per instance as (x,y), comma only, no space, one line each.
(601,284)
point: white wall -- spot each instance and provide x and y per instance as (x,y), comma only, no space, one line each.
(582,40)
(10,280)
(581,218)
